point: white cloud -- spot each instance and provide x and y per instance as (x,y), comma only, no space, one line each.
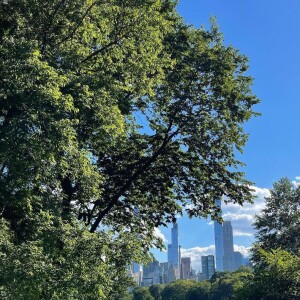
(160,235)
(241,233)
(242,217)
(296,182)
(235,217)
(195,253)
(242,249)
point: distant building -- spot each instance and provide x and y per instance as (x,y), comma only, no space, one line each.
(137,273)
(164,272)
(185,268)
(208,266)
(173,251)
(238,260)
(228,258)
(219,248)
(193,274)
(247,262)
(151,274)
(201,276)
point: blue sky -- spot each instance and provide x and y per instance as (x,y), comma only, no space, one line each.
(268,32)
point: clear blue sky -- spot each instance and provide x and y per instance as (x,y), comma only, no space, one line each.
(268,32)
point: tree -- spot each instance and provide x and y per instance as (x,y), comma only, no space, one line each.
(141,293)
(178,290)
(199,292)
(114,116)
(156,290)
(229,285)
(277,279)
(276,254)
(278,224)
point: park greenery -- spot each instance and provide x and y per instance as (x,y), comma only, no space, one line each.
(115,116)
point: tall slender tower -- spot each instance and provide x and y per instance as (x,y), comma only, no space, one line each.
(228,258)
(219,245)
(173,248)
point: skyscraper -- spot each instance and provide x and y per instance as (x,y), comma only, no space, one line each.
(173,248)
(185,268)
(173,251)
(208,266)
(219,248)
(228,258)
(151,274)
(238,260)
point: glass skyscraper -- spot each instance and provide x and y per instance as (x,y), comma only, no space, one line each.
(228,258)
(219,248)
(208,266)
(173,248)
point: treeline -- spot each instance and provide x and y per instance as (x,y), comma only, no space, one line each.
(223,285)
(278,280)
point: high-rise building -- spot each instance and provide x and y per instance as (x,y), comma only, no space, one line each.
(164,272)
(137,273)
(238,259)
(173,252)
(185,268)
(219,248)
(208,266)
(151,274)
(228,258)
(173,248)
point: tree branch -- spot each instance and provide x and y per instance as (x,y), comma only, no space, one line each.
(77,26)
(131,179)
(99,50)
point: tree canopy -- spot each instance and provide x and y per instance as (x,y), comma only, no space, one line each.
(114,117)
(277,252)
(278,224)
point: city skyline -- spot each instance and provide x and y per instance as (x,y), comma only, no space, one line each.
(230,255)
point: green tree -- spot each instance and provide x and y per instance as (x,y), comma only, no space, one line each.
(229,285)
(114,115)
(277,278)
(278,224)
(141,293)
(156,290)
(178,290)
(199,292)
(276,254)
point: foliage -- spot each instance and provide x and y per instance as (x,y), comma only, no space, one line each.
(277,277)
(226,285)
(186,290)
(199,291)
(276,254)
(114,116)
(177,290)
(156,290)
(64,261)
(278,224)
(141,293)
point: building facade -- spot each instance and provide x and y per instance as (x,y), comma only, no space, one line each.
(219,247)
(208,266)
(238,260)
(185,268)
(228,258)
(173,248)
(151,274)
